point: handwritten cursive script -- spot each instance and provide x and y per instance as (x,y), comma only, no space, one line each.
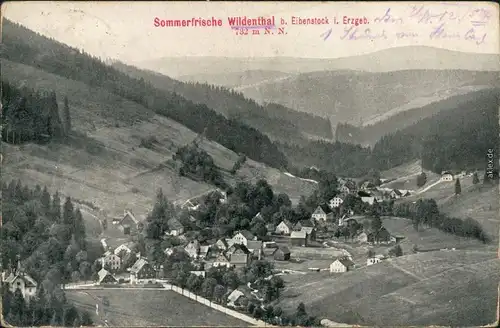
(354,33)
(389,18)
(440,32)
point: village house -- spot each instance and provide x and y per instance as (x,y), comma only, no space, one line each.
(282,254)
(284,228)
(446,176)
(175,227)
(345,189)
(322,213)
(111,260)
(243,237)
(256,248)
(381,236)
(129,223)
(298,238)
(223,244)
(193,249)
(141,270)
(240,257)
(22,281)
(341,264)
(335,202)
(395,194)
(308,227)
(375,259)
(105,277)
(222,260)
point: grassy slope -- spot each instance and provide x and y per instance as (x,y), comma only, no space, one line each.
(103,163)
(151,308)
(430,282)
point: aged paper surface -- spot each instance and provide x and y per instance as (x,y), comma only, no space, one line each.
(250,164)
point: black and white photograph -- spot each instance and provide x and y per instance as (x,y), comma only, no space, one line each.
(249,164)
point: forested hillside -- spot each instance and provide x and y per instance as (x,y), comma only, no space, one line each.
(275,120)
(27,47)
(370,134)
(453,139)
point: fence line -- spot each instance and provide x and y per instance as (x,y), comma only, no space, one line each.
(215,306)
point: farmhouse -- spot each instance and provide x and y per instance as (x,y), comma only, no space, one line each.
(111,260)
(22,281)
(243,237)
(380,236)
(308,227)
(282,254)
(322,214)
(222,260)
(342,264)
(345,189)
(284,228)
(175,227)
(298,238)
(129,222)
(141,270)
(446,176)
(240,257)
(335,202)
(105,277)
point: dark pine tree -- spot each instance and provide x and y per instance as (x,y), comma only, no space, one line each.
(458,188)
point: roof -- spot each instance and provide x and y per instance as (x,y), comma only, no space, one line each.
(204,249)
(325,208)
(287,223)
(283,249)
(307,230)
(254,244)
(222,258)
(235,294)
(28,281)
(240,247)
(306,223)
(102,273)
(397,192)
(174,224)
(298,234)
(247,234)
(122,247)
(131,215)
(345,261)
(222,243)
(138,265)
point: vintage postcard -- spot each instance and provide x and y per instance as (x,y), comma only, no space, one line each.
(250,163)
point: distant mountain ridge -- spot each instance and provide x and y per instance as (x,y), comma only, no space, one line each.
(275,120)
(391,59)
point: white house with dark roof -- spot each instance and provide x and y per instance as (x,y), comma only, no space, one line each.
(22,281)
(284,227)
(243,237)
(341,264)
(322,213)
(112,260)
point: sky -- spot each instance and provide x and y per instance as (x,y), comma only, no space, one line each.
(125,30)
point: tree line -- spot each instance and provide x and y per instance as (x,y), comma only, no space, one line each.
(50,241)
(24,46)
(29,115)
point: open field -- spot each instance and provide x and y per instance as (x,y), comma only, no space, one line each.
(150,308)
(102,161)
(426,288)
(405,176)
